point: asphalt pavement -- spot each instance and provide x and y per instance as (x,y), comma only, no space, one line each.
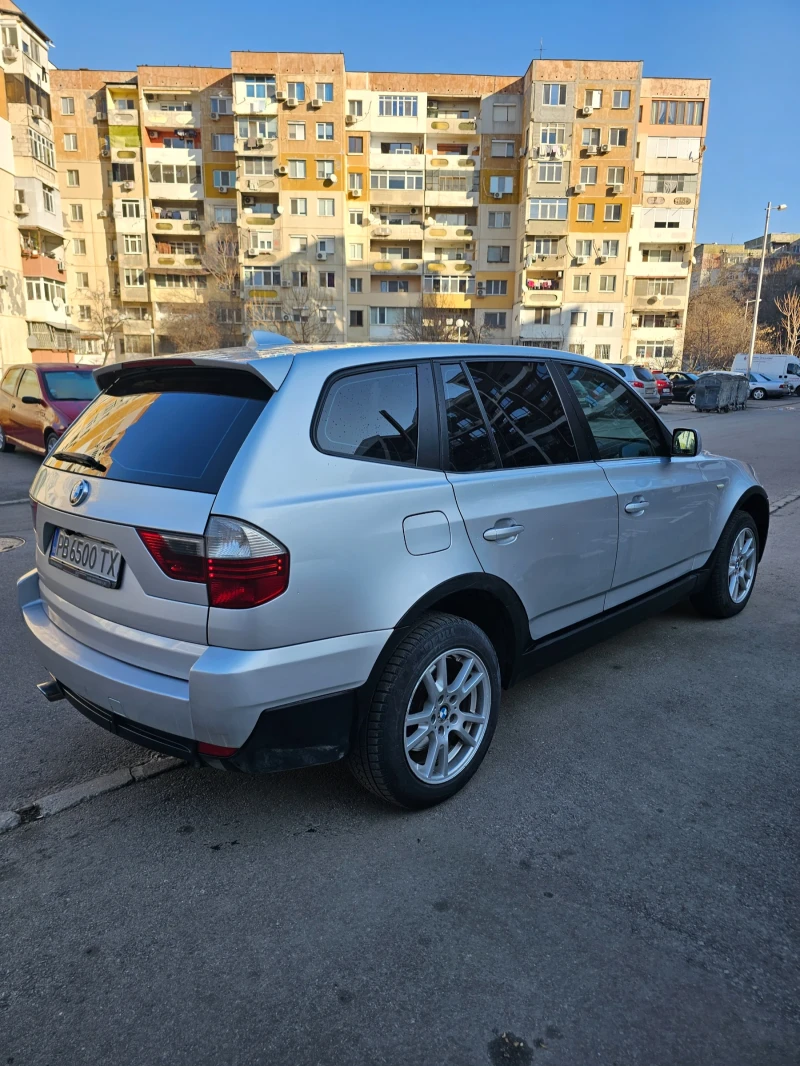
(617,885)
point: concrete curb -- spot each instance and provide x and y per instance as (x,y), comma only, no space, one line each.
(60,801)
(784,502)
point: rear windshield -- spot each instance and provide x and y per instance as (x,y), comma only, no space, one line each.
(643,374)
(71,384)
(178,429)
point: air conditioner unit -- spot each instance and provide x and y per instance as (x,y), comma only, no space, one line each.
(578,189)
(36,111)
(215,116)
(681,247)
(316,102)
(221,189)
(286,283)
(602,259)
(604,147)
(355,193)
(291,101)
(616,188)
(588,110)
(112,258)
(498,195)
(591,149)
(280,96)
(322,257)
(10,53)
(104,213)
(581,260)
(127,186)
(286,318)
(251,252)
(350,120)
(280,172)
(248,199)
(21,209)
(105,152)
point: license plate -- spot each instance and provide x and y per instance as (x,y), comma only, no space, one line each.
(87,558)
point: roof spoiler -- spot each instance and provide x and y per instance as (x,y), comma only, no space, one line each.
(260,339)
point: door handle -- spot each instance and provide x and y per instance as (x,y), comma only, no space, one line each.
(503,533)
(636,506)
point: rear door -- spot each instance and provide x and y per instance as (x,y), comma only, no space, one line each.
(8,400)
(30,418)
(667,506)
(149,454)
(539,513)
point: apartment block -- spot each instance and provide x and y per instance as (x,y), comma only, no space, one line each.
(556,208)
(713,262)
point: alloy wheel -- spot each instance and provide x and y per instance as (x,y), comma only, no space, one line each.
(447,716)
(742,565)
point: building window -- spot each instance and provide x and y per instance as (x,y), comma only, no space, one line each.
(84,312)
(494,319)
(578,318)
(540,316)
(656,255)
(590,136)
(554,94)
(448,283)
(324,131)
(495,288)
(550,171)
(131,209)
(547,209)
(133,244)
(608,283)
(355,145)
(576,349)
(553,133)
(223,179)
(355,108)
(397,106)
(327,279)
(262,276)
(503,149)
(356,285)
(618,135)
(616,176)
(583,248)
(221,105)
(660,286)
(602,351)
(222,142)
(298,244)
(297,89)
(580,282)
(395,179)
(259,166)
(588,175)
(394,285)
(670,183)
(653,350)
(47,197)
(73,178)
(504,113)
(545,246)
(79,246)
(326,206)
(499,220)
(297,131)
(324,91)
(70,142)
(676,112)
(82,279)
(586,212)
(298,205)
(612,213)
(259,87)
(593,98)
(400,252)
(67,105)
(133,278)
(356,317)
(355,251)
(356,218)
(621,98)
(300,279)
(127,103)
(324,169)
(355,182)
(605,318)
(659,321)
(297,168)
(610,249)
(225,214)
(498,253)
(44,289)
(125,172)
(42,149)
(501,184)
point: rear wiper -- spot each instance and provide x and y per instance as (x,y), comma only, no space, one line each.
(81,459)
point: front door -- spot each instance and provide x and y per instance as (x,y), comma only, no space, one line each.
(667,506)
(539,513)
(30,417)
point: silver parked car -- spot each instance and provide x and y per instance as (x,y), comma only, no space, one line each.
(639,377)
(260,562)
(761,387)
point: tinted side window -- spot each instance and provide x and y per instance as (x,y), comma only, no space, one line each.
(525,413)
(30,385)
(621,425)
(468,438)
(10,381)
(372,415)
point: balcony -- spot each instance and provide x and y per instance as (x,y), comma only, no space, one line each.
(436,232)
(542,297)
(407,232)
(444,123)
(124,118)
(248,105)
(156,119)
(676,269)
(653,235)
(655,304)
(257,183)
(546,227)
(252,146)
(170,259)
(449,266)
(453,161)
(394,266)
(258,218)
(396,161)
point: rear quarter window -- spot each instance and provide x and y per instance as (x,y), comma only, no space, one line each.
(10,380)
(371,414)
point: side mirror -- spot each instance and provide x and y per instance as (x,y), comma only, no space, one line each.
(33,399)
(685,443)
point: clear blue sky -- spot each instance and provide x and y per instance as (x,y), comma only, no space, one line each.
(749,48)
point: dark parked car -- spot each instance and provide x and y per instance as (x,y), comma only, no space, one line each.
(664,386)
(683,386)
(38,402)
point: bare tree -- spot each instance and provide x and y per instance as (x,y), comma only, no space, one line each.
(220,257)
(105,319)
(789,307)
(190,327)
(301,314)
(434,319)
(716,329)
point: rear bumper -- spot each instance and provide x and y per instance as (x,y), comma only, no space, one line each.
(226,696)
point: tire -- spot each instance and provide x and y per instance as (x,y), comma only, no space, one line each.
(440,764)
(759,394)
(716,599)
(658,407)
(50,441)
(5,446)
(797,391)
(691,397)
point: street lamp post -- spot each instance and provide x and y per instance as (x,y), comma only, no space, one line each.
(152,341)
(757,302)
(459,326)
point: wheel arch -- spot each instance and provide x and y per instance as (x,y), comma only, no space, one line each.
(755,502)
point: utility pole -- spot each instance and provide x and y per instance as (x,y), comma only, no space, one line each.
(757,302)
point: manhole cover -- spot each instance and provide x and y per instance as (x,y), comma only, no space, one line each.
(8,544)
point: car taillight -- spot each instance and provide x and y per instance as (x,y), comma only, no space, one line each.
(240,565)
(637,384)
(34,506)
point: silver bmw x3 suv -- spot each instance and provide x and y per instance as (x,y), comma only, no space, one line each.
(261,562)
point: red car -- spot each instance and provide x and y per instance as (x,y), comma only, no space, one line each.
(664,386)
(38,401)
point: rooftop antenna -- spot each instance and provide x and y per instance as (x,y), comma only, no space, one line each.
(541,47)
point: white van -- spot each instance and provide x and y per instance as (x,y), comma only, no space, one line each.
(783,367)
